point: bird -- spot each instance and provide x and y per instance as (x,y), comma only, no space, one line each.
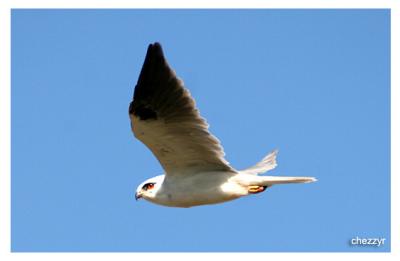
(165,118)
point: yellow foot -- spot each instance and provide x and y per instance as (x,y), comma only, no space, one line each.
(256,189)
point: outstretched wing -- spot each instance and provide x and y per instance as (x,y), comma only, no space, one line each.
(164,117)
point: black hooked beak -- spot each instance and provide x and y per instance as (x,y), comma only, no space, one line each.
(137,195)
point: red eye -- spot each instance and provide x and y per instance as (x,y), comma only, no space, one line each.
(148,186)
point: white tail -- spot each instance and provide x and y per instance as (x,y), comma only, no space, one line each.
(266,164)
(271,180)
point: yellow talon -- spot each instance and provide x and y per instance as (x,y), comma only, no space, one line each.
(255,189)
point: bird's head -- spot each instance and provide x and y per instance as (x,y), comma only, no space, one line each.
(149,188)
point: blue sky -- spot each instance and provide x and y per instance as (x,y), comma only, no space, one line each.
(313,83)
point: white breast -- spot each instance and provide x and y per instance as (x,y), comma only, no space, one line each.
(198,189)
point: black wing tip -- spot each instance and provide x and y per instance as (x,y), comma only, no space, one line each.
(155,50)
(153,63)
(155,45)
(153,59)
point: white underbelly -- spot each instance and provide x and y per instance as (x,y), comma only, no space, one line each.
(199,189)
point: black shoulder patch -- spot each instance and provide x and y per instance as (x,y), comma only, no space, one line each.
(146,113)
(143,112)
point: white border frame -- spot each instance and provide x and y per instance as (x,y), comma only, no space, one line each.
(5,121)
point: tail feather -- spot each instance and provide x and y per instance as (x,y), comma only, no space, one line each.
(271,180)
(266,164)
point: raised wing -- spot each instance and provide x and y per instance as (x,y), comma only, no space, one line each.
(164,117)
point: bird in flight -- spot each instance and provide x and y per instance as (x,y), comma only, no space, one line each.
(165,118)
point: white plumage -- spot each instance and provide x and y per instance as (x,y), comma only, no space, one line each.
(164,117)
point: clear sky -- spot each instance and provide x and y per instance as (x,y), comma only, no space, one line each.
(313,83)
